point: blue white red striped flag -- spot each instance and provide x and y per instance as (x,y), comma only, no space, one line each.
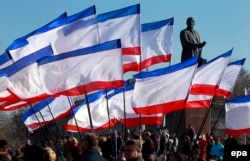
(24,79)
(82,71)
(163,90)
(22,47)
(120,106)
(123,24)
(208,76)
(237,116)
(97,103)
(157,41)
(229,78)
(206,81)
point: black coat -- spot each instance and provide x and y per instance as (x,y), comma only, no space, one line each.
(92,154)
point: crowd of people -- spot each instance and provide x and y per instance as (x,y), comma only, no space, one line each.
(147,146)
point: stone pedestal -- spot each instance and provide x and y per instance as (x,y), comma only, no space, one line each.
(177,121)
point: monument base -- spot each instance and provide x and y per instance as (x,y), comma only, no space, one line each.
(177,121)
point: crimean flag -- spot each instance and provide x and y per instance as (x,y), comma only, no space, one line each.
(157,42)
(163,90)
(123,24)
(237,121)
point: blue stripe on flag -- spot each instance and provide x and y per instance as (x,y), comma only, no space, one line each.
(81,24)
(114,44)
(49,26)
(5,57)
(91,98)
(127,87)
(238,62)
(85,13)
(37,108)
(155,25)
(168,70)
(27,60)
(226,54)
(240,99)
(52,25)
(131,10)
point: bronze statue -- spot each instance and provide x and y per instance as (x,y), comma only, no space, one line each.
(190,41)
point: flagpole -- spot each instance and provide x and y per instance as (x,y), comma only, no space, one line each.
(222,109)
(106,95)
(60,134)
(44,121)
(90,118)
(53,140)
(71,111)
(204,119)
(124,112)
(32,108)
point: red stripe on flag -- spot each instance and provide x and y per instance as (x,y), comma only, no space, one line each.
(237,132)
(155,60)
(41,123)
(132,122)
(222,93)
(131,67)
(131,51)
(204,89)
(161,108)
(93,86)
(74,128)
(198,104)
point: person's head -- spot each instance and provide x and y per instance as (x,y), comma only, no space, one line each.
(149,157)
(132,149)
(146,135)
(217,140)
(50,154)
(3,145)
(89,140)
(190,22)
(74,141)
(35,153)
(195,153)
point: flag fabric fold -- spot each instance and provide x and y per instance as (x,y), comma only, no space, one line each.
(49,110)
(164,90)
(157,41)
(237,119)
(229,78)
(13,104)
(23,76)
(208,76)
(84,70)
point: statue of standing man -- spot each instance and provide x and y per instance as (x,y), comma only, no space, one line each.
(190,41)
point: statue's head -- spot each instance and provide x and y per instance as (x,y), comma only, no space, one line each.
(190,22)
